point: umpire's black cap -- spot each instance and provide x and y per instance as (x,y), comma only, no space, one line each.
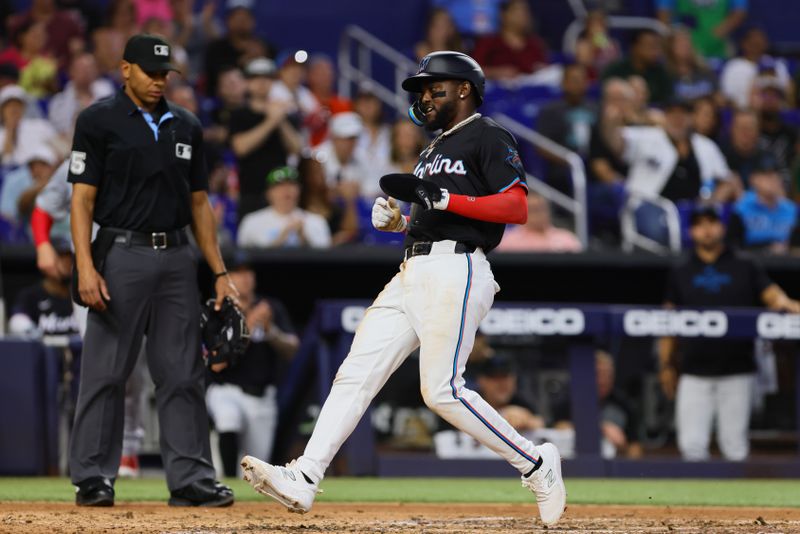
(447,65)
(150,52)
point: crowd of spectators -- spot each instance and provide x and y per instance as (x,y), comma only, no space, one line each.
(701,112)
(686,114)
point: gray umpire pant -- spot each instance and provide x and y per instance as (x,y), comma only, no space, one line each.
(152,291)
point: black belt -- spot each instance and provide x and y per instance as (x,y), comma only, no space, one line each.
(423,248)
(156,240)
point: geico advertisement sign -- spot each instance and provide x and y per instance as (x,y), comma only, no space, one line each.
(688,323)
(518,321)
(539,321)
(778,326)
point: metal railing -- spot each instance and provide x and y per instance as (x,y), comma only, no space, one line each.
(632,238)
(577,205)
(366,47)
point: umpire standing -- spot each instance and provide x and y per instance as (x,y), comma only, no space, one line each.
(138,170)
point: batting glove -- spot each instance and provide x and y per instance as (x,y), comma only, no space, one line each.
(431,195)
(386,216)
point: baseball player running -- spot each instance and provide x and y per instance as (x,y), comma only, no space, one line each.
(471,183)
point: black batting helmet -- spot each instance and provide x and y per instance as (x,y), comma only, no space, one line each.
(447,65)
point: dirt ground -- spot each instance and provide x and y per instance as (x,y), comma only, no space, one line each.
(390,518)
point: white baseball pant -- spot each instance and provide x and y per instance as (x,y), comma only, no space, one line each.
(436,302)
(699,401)
(253,418)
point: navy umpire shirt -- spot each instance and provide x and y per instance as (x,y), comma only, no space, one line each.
(479,159)
(145,167)
(731,281)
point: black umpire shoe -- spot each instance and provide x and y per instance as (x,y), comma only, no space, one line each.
(95,491)
(206,492)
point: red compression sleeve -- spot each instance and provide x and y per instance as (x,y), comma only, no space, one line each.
(508,207)
(41,223)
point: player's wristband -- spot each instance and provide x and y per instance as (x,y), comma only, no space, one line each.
(217,275)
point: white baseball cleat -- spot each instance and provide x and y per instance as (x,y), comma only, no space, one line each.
(548,486)
(287,485)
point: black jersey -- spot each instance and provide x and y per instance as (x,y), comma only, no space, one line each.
(52,315)
(478,159)
(144,173)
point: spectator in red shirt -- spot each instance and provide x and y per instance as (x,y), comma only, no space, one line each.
(515,50)
(320,79)
(37,70)
(28,42)
(63,29)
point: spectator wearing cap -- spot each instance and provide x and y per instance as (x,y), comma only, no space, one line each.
(619,421)
(20,187)
(515,49)
(283,223)
(45,309)
(83,88)
(238,46)
(739,74)
(17,132)
(712,22)
(63,29)
(743,149)
(242,399)
(289,89)
(340,211)
(644,59)
(194,31)
(261,135)
(338,156)
(538,233)
(320,79)
(763,218)
(673,161)
(497,384)
(711,379)
(374,145)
